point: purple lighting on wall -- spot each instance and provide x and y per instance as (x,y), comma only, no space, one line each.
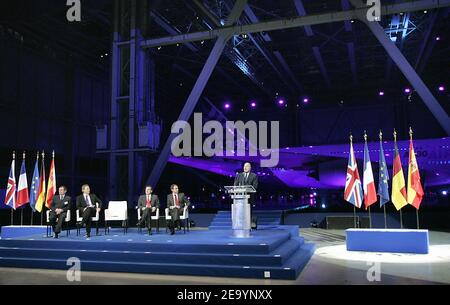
(441,88)
(305,100)
(280,102)
(407,90)
(227,106)
(253,104)
(381,93)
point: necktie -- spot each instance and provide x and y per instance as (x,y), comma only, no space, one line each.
(246,177)
(148,202)
(61,197)
(88,200)
(177,203)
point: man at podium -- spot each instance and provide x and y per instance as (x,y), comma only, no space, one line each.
(247,178)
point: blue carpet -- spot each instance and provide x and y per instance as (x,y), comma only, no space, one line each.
(270,253)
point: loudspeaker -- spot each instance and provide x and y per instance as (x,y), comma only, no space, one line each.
(254,224)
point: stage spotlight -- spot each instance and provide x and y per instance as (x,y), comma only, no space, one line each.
(425,11)
(407,90)
(280,102)
(438,38)
(305,100)
(444,192)
(159,48)
(323,206)
(227,106)
(253,104)
(381,93)
(441,88)
(244,36)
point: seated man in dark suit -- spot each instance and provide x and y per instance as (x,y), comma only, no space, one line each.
(148,204)
(176,203)
(87,204)
(58,210)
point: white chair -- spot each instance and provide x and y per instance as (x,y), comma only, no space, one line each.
(95,219)
(117,211)
(154,217)
(66,221)
(184,217)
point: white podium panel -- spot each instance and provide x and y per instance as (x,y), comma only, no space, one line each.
(240,210)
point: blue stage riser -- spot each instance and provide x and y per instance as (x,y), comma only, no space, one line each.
(276,252)
(388,240)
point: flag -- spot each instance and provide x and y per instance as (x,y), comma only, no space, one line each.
(398,182)
(34,186)
(370,194)
(22,189)
(415,190)
(51,189)
(41,189)
(383,178)
(353,190)
(10,198)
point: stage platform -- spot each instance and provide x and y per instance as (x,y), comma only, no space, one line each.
(388,240)
(276,252)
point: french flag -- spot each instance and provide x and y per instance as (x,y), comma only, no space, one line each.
(22,188)
(370,194)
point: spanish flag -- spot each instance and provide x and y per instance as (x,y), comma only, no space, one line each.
(51,188)
(41,189)
(398,196)
(415,190)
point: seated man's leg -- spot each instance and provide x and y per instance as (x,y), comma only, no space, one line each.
(61,218)
(87,214)
(52,219)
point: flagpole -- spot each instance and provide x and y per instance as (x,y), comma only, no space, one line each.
(31,221)
(354,215)
(401,219)
(385,222)
(417,218)
(43,204)
(21,210)
(12,208)
(370,219)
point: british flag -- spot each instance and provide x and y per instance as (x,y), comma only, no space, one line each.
(353,190)
(10,198)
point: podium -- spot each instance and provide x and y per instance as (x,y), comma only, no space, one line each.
(240,209)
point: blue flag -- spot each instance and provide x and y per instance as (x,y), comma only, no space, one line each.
(34,186)
(383,179)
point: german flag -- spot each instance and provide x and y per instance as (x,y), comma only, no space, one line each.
(398,196)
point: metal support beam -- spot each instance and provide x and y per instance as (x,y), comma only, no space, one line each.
(197,90)
(350,45)
(408,71)
(115,72)
(316,51)
(337,16)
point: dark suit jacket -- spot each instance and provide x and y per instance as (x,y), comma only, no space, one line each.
(154,200)
(57,203)
(181,198)
(82,204)
(252,180)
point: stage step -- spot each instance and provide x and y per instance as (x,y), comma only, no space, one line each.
(288,272)
(276,252)
(275,258)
